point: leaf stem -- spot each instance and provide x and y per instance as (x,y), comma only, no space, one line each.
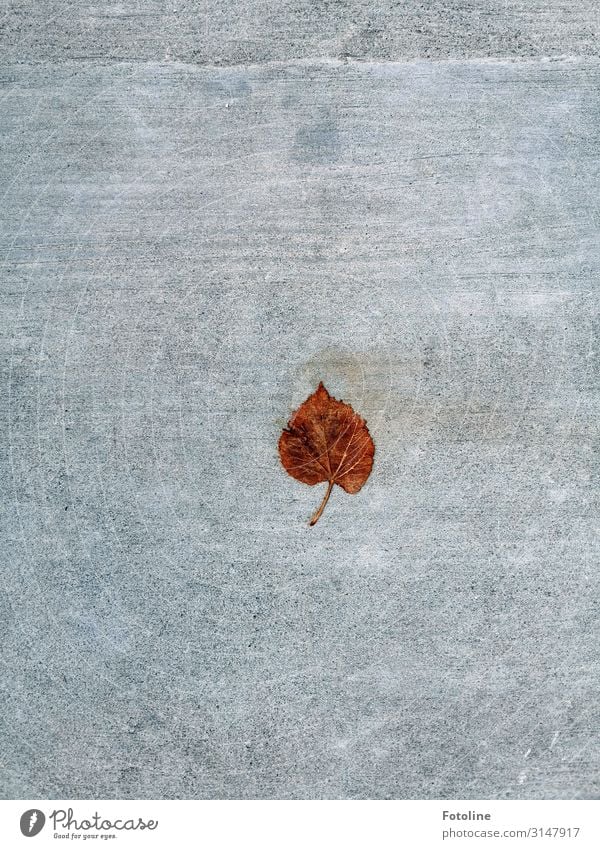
(319,512)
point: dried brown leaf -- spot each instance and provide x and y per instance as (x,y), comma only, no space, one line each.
(325,440)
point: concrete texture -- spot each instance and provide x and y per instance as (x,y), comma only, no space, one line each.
(207,32)
(186,252)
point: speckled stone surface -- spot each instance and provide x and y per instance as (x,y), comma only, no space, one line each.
(186,251)
(208,32)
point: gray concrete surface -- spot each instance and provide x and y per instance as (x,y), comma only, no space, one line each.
(186,251)
(206,32)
